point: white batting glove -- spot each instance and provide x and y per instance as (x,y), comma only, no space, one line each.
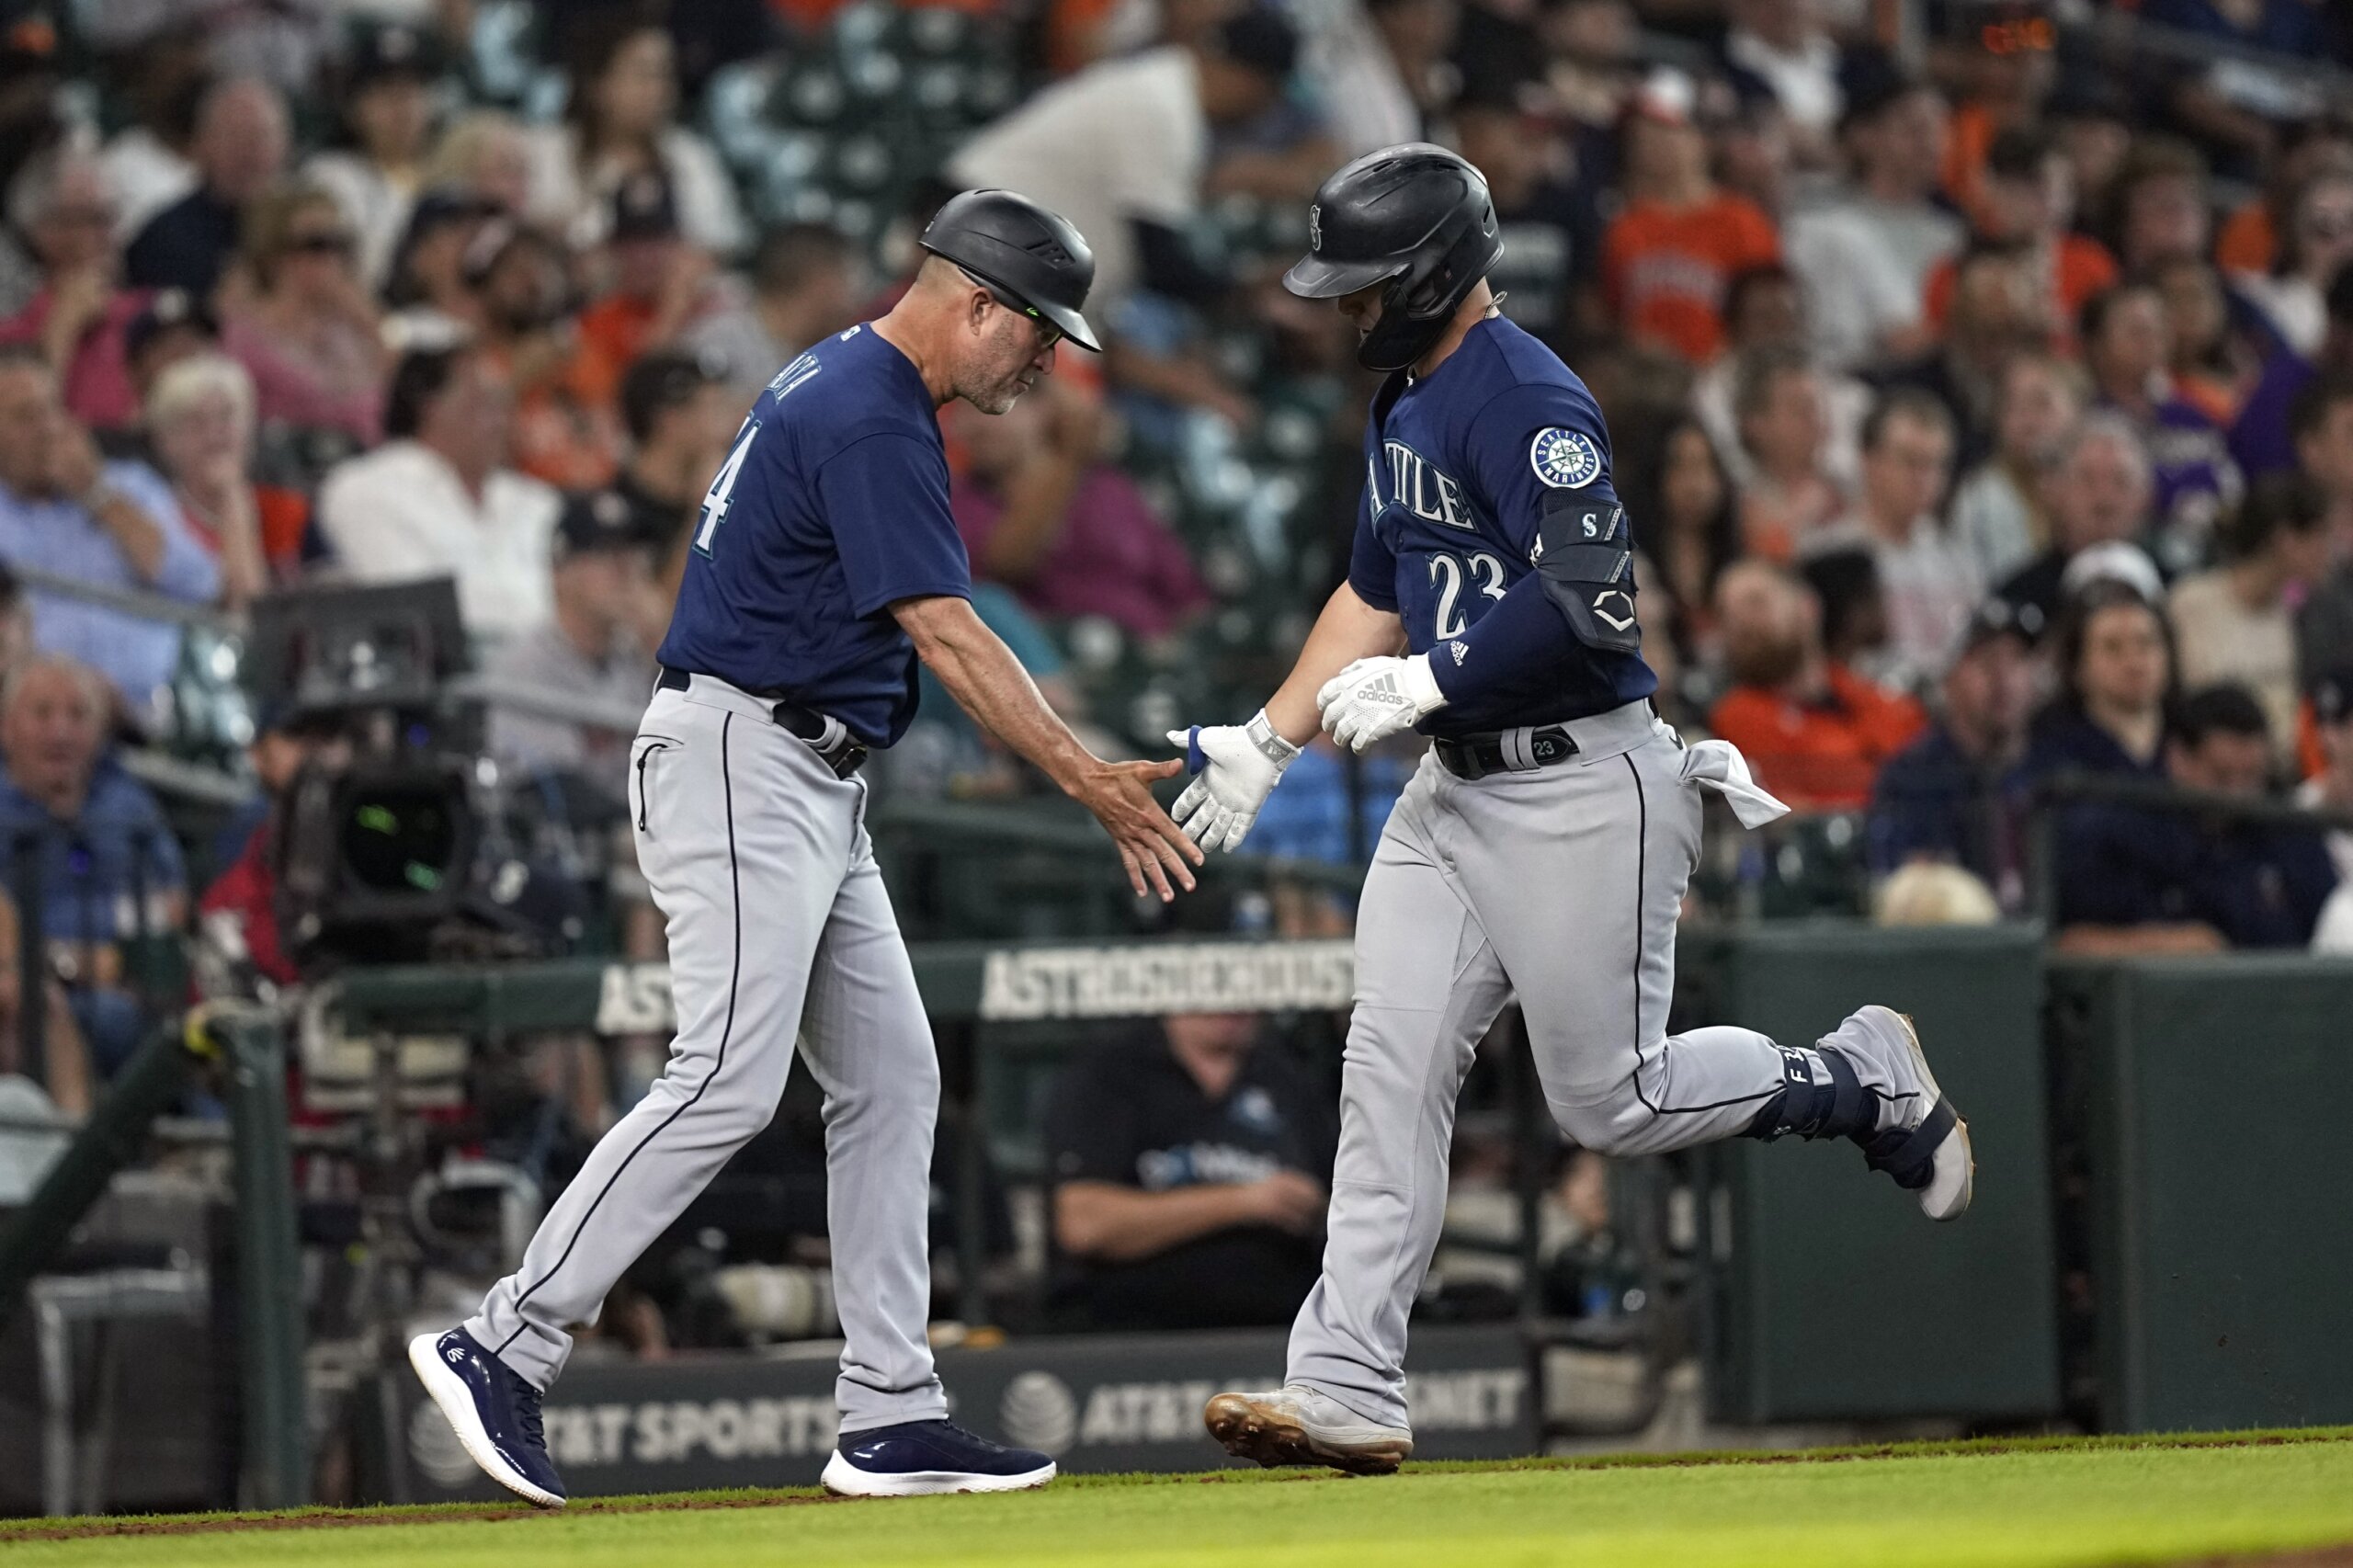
(1235,767)
(1374,698)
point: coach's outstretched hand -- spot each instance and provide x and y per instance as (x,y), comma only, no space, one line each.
(1238,766)
(1151,846)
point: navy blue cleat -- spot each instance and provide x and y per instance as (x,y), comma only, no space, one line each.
(920,1459)
(494,1411)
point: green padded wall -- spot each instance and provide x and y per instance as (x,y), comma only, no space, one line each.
(2219,1122)
(1836,1299)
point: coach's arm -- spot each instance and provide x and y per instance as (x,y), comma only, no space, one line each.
(981,673)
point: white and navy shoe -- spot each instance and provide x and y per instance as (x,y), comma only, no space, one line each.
(922,1459)
(1298,1426)
(494,1411)
(1919,1139)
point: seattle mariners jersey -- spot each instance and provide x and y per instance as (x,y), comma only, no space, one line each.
(832,504)
(1466,471)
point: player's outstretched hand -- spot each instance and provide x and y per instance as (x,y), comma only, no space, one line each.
(1374,698)
(1152,847)
(1235,767)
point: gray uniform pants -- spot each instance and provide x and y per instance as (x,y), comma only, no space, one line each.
(760,861)
(1560,887)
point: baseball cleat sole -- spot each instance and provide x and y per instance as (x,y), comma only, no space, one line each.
(844,1479)
(456,1401)
(1954,1180)
(1251,1429)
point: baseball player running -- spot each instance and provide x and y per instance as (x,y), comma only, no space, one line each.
(824,564)
(1542,849)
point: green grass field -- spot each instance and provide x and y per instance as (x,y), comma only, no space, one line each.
(2096,1501)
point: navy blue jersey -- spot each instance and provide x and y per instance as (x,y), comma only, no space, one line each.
(1465,468)
(832,504)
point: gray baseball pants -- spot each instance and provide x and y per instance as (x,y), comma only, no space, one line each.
(758,858)
(1560,887)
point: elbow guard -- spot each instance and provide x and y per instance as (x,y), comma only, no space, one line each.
(1585,553)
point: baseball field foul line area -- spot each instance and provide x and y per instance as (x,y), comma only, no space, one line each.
(2242,1498)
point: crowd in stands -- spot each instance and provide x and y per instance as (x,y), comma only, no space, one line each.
(1982,401)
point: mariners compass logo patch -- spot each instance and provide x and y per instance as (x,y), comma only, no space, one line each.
(1564,460)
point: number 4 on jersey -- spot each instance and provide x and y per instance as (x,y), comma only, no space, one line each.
(714,500)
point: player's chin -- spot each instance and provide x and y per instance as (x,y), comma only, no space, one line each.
(1001,399)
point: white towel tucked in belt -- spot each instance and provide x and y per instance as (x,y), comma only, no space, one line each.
(1718,765)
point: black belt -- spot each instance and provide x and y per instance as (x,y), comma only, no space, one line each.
(829,738)
(1504,751)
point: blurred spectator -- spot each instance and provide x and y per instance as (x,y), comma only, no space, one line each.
(2116,669)
(1865,257)
(1813,731)
(147,162)
(2331,789)
(387,112)
(804,285)
(2236,105)
(1040,512)
(108,866)
(529,306)
(620,122)
(489,154)
(1998,513)
(306,326)
(2158,205)
(2128,348)
(2093,122)
(1385,73)
(2320,423)
(2133,879)
(592,646)
(2236,623)
(239,149)
(437,498)
(1551,228)
(65,1085)
(2212,365)
(238,945)
(1783,47)
(1995,313)
(1845,582)
(1189,1180)
(2315,246)
(682,416)
(2098,493)
(1587,62)
(1778,402)
(200,417)
(2261,441)
(1679,240)
(171,326)
(2322,429)
(1764,309)
(60,203)
(1684,522)
(65,510)
(661,284)
(2249,241)
(430,298)
(1123,149)
(2027,200)
(1929,582)
(1947,796)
